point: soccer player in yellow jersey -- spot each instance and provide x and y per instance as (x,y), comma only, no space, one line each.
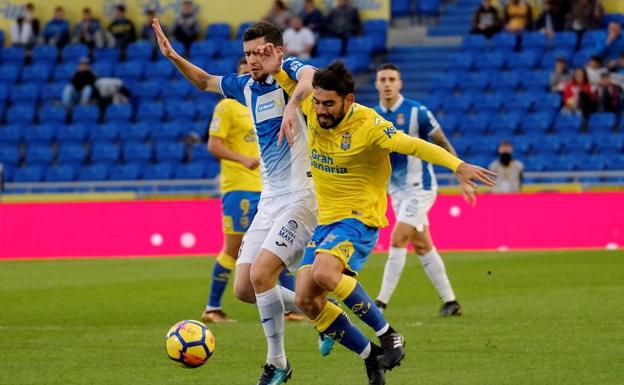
(233,140)
(349,146)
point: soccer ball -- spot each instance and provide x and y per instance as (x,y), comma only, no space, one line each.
(190,343)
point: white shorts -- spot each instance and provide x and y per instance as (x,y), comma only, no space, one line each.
(282,225)
(411,206)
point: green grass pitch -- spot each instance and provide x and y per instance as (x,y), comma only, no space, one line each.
(530,318)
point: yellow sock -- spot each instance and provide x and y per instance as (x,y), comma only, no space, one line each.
(326,317)
(345,287)
(226,261)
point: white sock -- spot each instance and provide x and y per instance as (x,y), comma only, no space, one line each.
(288,296)
(392,273)
(434,267)
(367,351)
(271,308)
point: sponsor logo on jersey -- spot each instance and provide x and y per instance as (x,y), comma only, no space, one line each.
(400,119)
(287,233)
(389,131)
(292,225)
(345,142)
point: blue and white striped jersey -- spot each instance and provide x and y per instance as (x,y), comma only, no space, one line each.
(283,169)
(416,120)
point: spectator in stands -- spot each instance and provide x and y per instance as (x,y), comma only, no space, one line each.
(298,40)
(486,20)
(312,17)
(25,29)
(89,31)
(343,22)
(279,15)
(552,20)
(578,96)
(111,90)
(56,31)
(614,45)
(584,15)
(122,28)
(186,25)
(1,177)
(81,86)
(560,76)
(510,171)
(518,16)
(609,95)
(594,70)
(147,32)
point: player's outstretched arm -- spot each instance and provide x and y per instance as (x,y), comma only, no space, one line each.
(438,137)
(219,149)
(197,76)
(467,174)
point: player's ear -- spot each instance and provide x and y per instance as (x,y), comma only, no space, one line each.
(349,99)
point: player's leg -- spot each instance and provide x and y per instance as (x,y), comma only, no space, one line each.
(330,320)
(395,263)
(436,271)
(225,263)
(287,281)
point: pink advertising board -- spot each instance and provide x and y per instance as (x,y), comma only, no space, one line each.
(193,227)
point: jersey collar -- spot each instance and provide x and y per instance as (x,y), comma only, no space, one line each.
(394,107)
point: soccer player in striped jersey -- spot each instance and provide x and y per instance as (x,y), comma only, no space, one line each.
(233,140)
(349,146)
(286,217)
(413,190)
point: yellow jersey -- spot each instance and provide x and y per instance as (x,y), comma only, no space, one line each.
(351,162)
(232,123)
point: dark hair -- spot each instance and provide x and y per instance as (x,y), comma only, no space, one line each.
(335,77)
(120,8)
(86,10)
(59,8)
(388,66)
(271,33)
(280,4)
(596,58)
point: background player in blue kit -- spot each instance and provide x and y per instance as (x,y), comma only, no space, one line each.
(413,190)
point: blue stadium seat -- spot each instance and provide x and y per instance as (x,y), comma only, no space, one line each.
(94,172)
(581,58)
(190,171)
(25,93)
(547,145)
(242,28)
(475,42)
(580,145)
(181,111)
(359,45)
(137,152)
(104,153)
(169,152)
(504,40)
(377,31)
(39,154)
(105,69)
(601,122)
(568,125)
(213,170)
(534,40)
(491,61)
(137,132)
(551,101)
(592,39)
(130,171)
(63,72)
(108,132)
(549,58)
(400,8)
(611,144)
(119,113)
(63,173)
(52,114)
(447,81)
(37,73)
(44,54)
(232,49)
(13,55)
(525,60)
(357,63)
(149,89)
(85,113)
(491,102)
(458,104)
(11,134)
(150,112)
(329,46)
(140,50)
(44,133)
(159,171)
(71,154)
(199,153)
(218,31)
(20,114)
(448,123)
(29,174)
(4,94)
(9,155)
(592,163)
(536,80)
(169,131)
(73,52)
(522,144)
(461,61)
(509,80)
(564,40)
(10,73)
(475,82)
(537,124)
(132,69)
(109,55)
(478,124)
(206,49)
(74,133)
(505,124)
(428,7)
(614,161)
(159,70)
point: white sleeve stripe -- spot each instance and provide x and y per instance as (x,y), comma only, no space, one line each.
(413,126)
(220,87)
(302,67)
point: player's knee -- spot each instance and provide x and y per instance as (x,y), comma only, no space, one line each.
(245,293)
(421,247)
(399,239)
(257,276)
(326,278)
(305,302)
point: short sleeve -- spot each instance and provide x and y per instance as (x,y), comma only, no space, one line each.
(232,86)
(221,119)
(426,121)
(383,134)
(292,66)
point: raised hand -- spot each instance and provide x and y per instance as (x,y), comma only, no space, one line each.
(163,43)
(269,57)
(467,174)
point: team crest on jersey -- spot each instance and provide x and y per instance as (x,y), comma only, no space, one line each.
(345,142)
(292,225)
(401,119)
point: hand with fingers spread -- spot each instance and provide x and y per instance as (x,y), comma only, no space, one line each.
(250,163)
(163,43)
(467,174)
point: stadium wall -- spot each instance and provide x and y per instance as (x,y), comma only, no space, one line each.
(233,12)
(193,227)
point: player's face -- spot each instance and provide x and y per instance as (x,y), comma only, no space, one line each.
(388,84)
(255,64)
(330,107)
